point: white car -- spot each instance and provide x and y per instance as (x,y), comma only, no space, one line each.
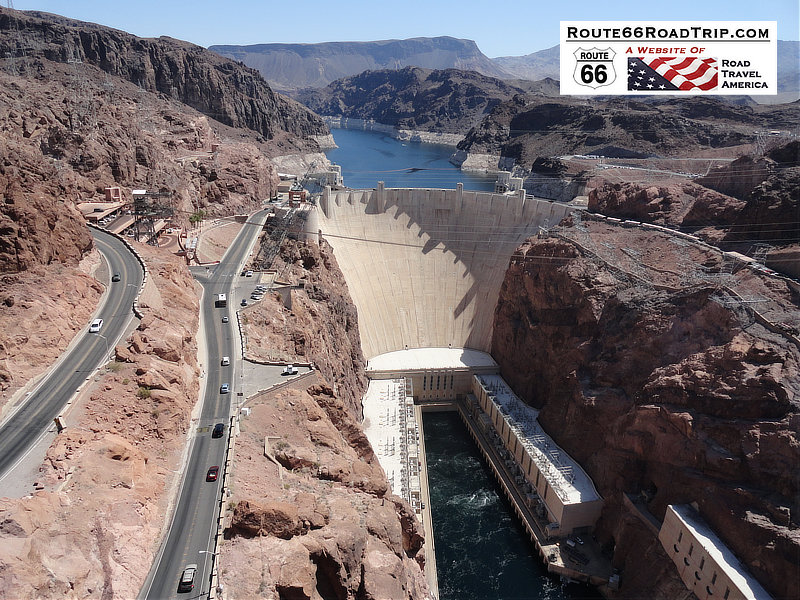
(95,326)
(226,360)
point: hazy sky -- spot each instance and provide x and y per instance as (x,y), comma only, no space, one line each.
(511,28)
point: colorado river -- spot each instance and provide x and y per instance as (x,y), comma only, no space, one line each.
(482,553)
(367,157)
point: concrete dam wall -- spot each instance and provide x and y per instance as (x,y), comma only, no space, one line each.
(424,266)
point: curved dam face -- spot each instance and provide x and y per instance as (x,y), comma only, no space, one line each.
(424,266)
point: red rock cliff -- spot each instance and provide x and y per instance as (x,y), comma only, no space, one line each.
(661,391)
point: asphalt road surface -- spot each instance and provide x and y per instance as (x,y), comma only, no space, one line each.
(35,415)
(190,539)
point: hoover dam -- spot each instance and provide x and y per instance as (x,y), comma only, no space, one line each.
(424,266)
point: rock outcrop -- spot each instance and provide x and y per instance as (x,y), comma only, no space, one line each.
(752,200)
(527,127)
(662,390)
(219,88)
(315,323)
(313,516)
(412,98)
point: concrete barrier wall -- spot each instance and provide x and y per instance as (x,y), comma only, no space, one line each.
(424,266)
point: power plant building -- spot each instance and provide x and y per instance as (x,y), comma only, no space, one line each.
(567,494)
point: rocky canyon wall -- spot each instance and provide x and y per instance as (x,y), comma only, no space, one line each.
(312,515)
(217,87)
(91,526)
(662,390)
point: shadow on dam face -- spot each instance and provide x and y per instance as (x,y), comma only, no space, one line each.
(424,266)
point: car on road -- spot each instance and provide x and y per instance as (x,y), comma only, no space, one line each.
(219,429)
(95,326)
(226,360)
(225,388)
(187,579)
(115,277)
(213,473)
(225,319)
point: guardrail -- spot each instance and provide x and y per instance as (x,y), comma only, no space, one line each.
(136,310)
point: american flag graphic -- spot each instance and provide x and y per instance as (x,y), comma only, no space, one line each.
(663,74)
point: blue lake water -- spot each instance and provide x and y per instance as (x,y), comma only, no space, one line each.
(482,552)
(367,157)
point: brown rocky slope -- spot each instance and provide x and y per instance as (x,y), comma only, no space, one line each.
(219,88)
(753,200)
(312,516)
(662,392)
(91,528)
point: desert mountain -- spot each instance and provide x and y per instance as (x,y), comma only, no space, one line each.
(534,66)
(450,100)
(296,66)
(221,89)
(85,107)
(525,128)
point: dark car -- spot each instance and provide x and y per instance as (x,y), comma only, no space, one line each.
(219,429)
(115,277)
(212,474)
(244,301)
(187,579)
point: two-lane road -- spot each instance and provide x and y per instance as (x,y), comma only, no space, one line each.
(190,539)
(30,420)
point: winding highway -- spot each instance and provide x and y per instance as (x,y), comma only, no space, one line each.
(29,421)
(191,535)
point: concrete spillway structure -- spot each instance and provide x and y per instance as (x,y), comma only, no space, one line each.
(424,266)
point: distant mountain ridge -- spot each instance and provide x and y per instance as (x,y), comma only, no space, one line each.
(296,66)
(291,67)
(441,101)
(534,66)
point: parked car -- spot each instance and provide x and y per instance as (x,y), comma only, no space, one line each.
(289,370)
(219,429)
(225,388)
(244,301)
(248,274)
(187,579)
(212,474)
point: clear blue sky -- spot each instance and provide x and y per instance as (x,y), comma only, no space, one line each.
(500,28)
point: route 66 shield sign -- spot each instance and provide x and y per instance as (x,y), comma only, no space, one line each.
(594,67)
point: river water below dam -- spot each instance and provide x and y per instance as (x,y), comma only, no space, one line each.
(482,552)
(367,157)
